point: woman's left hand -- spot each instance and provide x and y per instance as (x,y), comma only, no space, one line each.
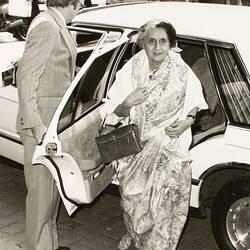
(177,128)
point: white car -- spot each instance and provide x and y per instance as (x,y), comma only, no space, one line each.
(214,41)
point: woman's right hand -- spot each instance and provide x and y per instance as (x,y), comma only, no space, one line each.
(136,97)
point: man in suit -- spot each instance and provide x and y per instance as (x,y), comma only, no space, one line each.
(44,73)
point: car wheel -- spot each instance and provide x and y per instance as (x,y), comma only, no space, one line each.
(231,215)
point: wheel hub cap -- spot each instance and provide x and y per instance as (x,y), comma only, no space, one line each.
(238,223)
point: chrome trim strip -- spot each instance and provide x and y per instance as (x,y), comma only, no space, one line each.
(11,138)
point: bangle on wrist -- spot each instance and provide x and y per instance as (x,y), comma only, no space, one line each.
(126,106)
(191,116)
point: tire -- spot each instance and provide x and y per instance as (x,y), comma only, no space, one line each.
(230,216)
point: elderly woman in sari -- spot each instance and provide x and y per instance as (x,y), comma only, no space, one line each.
(157,91)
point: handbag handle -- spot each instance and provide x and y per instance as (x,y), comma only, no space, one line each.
(118,124)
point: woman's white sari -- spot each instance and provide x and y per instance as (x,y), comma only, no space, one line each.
(155,184)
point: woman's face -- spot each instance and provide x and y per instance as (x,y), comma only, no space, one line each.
(156,45)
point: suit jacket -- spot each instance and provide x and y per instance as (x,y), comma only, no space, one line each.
(45,71)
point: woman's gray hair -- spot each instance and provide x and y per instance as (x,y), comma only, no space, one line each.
(61,3)
(157,23)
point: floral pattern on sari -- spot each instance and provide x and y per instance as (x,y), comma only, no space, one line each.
(155,184)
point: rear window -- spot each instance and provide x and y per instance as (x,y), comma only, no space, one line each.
(233,85)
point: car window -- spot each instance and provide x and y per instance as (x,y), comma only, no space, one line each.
(195,56)
(85,40)
(89,37)
(85,37)
(233,85)
(88,92)
(194,53)
(127,51)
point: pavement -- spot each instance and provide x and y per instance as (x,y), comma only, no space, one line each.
(98,226)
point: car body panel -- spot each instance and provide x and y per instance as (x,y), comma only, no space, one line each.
(10,144)
(11,148)
(8,94)
(10,52)
(214,153)
(8,108)
(227,153)
(237,136)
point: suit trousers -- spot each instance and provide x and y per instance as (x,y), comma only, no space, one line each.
(42,201)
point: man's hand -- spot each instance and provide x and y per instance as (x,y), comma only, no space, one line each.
(39,133)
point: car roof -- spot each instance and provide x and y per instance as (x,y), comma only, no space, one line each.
(215,21)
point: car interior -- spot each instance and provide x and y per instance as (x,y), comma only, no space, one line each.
(211,121)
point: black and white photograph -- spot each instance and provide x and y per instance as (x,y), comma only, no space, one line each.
(125,125)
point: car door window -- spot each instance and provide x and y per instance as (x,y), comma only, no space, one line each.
(213,119)
(195,56)
(85,37)
(80,119)
(128,50)
(88,92)
(233,86)
(85,40)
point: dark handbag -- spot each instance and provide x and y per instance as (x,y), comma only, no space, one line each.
(120,142)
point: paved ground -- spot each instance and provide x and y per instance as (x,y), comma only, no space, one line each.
(95,227)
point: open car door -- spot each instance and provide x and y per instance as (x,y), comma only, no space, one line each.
(69,150)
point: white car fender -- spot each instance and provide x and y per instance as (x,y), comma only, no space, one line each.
(216,151)
(213,152)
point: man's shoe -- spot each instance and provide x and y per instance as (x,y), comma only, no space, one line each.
(62,248)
